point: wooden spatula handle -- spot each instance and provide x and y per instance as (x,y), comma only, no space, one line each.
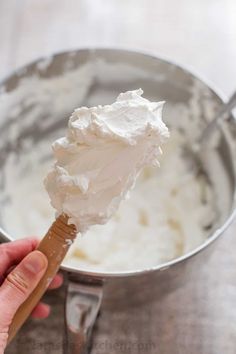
(55,246)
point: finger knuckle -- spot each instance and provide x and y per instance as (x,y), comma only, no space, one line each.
(18,282)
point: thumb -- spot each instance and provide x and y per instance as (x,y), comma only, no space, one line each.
(18,286)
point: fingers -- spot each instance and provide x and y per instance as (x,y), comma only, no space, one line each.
(56,282)
(19,284)
(12,253)
(41,311)
(3,342)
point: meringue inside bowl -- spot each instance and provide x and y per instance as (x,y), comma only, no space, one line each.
(172,209)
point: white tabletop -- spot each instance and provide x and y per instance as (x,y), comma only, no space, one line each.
(199,33)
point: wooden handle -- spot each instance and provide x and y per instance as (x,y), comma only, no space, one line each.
(55,246)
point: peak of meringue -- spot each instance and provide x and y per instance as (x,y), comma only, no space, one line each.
(104,150)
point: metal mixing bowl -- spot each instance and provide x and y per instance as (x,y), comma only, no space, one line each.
(113,71)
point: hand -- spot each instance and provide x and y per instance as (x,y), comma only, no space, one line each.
(21,268)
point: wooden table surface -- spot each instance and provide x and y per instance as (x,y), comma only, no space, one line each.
(200,34)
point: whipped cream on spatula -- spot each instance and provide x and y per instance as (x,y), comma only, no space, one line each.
(104,150)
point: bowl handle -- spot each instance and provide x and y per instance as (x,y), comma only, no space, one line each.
(83,301)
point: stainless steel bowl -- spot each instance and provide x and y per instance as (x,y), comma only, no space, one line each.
(114,71)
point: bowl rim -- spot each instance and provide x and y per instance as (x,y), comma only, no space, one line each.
(187,69)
